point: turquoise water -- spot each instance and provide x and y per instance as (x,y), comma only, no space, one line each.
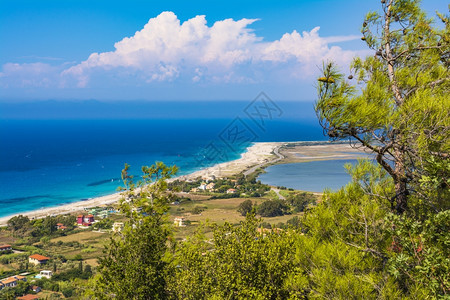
(46,163)
(309,176)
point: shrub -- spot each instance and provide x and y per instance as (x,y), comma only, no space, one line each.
(272,208)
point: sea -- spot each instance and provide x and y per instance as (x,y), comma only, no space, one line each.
(46,162)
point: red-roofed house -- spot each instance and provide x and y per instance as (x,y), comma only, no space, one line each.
(231,191)
(60,226)
(38,259)
(11,281)
(85,220)
(36,288)
(80,219)
(5,247)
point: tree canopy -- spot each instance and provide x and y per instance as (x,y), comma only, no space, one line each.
(398,107)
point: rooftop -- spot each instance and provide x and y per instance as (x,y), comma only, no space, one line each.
(8,280)
(39,257)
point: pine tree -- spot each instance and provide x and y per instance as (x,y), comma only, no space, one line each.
(134,265)
(399,107)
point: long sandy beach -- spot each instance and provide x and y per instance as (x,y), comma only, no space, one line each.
(258,153)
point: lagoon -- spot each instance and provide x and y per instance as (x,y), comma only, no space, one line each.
(312,176)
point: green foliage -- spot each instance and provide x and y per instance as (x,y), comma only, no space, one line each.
(294,222)
(272,208)
(18,222)
(245,207)
(103,224)
(420,254)
(72,274)
(299,201)
(13,292)
(34,230)
(236,264)
(134,264)
(399,109)
(198,209)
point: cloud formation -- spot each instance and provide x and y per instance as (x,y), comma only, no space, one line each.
(167,50)
(228,51)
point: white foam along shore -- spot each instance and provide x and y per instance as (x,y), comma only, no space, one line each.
(257,153)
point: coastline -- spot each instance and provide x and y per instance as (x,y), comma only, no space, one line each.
(257,153)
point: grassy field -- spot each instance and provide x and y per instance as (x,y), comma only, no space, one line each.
(90,244)
(218,211)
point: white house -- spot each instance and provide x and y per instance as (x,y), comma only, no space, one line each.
(117,227)
(179,221)
(46,273)
(38,259)
(210,186)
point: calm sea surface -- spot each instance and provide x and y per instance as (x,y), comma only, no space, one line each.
(47,163)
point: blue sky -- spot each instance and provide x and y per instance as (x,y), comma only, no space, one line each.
(175,50)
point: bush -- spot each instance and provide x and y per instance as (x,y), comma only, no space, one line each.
(67,292)
(245,207)
(272,208)
(299,201)
(198,210)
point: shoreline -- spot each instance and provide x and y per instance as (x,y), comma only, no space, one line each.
(257,153)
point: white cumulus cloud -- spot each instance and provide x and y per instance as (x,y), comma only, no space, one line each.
(229,51)
(168,50)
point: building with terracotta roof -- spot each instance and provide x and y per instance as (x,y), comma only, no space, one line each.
(5,247)
(36,288)
(38,259)
(85,220)
(11,281)
(60,226)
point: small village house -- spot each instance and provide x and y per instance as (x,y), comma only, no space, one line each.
(46,273)
(117,227)
(179,221)
(5,248)
(85,220)
(38,259)
(60,226)
(210,186)
(209,178)
(36,288)
(11,281)
(231,191)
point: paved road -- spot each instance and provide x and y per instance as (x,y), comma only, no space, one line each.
(279,157)
(277,191)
